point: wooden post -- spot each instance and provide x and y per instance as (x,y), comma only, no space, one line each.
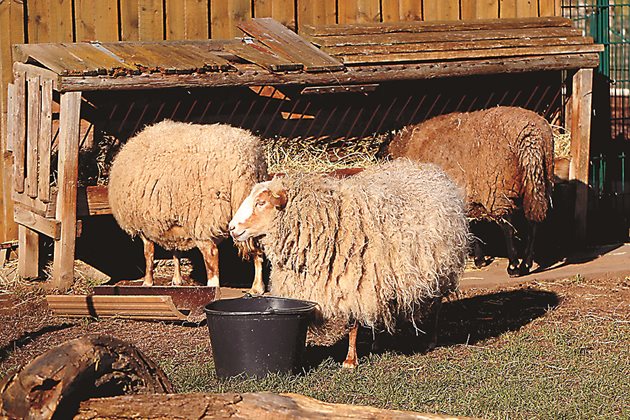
(66,210)
(581,106)
(28,249)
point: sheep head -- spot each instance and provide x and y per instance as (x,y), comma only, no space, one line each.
(255,215)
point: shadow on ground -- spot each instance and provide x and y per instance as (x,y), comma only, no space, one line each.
(465,321)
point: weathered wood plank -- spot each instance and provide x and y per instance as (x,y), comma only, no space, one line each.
(401,10)
(102,306)
(32,134)
(150,20)
(225,15)
(36,222)
(66,210)
(448,26)
(197,24)
(468,54)
(129,30)
(518,8)
(480,9)
(43,73)
(452,36)
(55,57)
(105,16)
(263,405)
(252,76)
(28,254)
(289,45)
(456,46)
(175,13)
(19,141)
(32,204)
(580,127)
(358,11)
(61,18)
(547,7)
(39,21)
(316,13)
(440,10)
(258,54)
(45,140)
(282,11)
(11,119)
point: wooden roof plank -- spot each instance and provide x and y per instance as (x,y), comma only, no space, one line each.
(289,45)
(360,74)
(471,54)
(142,57)
(405,38)
(55,57)
(433,26)
(257,53)
(210,58)
(454,45)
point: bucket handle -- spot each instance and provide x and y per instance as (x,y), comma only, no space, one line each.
(279,311)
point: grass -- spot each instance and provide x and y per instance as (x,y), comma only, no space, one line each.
(574,369)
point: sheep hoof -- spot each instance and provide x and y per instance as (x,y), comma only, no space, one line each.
(256,292)
(350,364)
(147,283)
(524,269)
(513,271)
(481,262)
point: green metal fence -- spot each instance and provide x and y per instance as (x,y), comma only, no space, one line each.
(608,22)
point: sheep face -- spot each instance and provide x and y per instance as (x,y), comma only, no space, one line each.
(255,215)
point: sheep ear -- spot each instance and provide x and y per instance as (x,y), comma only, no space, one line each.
(278,199)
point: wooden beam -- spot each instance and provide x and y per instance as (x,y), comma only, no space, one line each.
(66,211)
(45,140)
(19,140)
(252,75)
(28,253)
(34,221)
(32,134)
(581,109)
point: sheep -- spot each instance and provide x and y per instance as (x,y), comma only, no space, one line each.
(373,248)
(177,185)
(502,157)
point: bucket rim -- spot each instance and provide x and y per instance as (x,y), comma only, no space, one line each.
(309,306)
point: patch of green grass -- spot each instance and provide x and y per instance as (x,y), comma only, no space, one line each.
(576,369)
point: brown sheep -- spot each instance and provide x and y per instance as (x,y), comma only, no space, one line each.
(178,185)
(503,157)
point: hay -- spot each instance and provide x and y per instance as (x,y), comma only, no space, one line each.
(561,142)
(291,155)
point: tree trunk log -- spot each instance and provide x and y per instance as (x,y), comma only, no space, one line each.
(55,382)
(261,406)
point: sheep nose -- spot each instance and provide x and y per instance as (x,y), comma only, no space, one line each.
(231,227)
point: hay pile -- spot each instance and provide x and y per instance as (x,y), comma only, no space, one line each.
(291,155)
(561,142)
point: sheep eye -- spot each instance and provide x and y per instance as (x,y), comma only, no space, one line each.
(260,203)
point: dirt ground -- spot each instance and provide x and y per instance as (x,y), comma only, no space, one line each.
(596,284)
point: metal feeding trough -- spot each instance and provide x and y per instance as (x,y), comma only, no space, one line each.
(177,303)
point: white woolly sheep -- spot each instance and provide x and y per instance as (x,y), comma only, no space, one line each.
(373,248)
(502,156)
(178,184)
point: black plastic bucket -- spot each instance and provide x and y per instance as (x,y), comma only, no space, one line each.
(258,335)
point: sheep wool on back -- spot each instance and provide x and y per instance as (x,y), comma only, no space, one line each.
(498,155)
(373,247)
(176,182)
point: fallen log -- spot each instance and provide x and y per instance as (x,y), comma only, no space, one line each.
(55,382)
(261,406)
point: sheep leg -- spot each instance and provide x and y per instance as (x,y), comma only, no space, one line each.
(210,253)
(436,306)
(258,287)
(177,272)
(528,261)
(149,255)
(352,361)
(508,233)
(480,258)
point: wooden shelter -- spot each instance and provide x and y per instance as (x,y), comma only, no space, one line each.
(351,58)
